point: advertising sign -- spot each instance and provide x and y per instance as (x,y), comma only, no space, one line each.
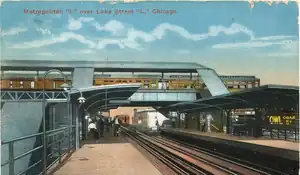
(285,120)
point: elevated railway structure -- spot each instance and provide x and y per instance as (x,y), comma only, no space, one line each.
(52,118)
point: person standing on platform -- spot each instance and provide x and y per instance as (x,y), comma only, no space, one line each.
(107,123)
(93,130)
(116,123)
(203,124)
(209,118)
(156,123)
(100,125)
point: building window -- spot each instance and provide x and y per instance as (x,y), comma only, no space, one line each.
(32,84)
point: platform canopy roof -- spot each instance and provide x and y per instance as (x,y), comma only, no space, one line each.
(101,66)
(100,98)
(273,96)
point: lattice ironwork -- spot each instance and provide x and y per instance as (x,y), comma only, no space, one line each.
(30,95)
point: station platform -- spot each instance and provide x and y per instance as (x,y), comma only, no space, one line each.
(282,148)
(109,156)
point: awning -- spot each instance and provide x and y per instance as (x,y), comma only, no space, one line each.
(99,97)
(268,96)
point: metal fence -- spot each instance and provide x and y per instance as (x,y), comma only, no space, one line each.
(59,143)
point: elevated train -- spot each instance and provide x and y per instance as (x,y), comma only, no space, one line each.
(234,83)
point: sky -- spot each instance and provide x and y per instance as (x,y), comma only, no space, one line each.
(230,37)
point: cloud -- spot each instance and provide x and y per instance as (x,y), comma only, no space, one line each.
(44,31)
(183,52)
(46,54)
(160,31)
(132,38)
(288,45)
(77,24)
(87,51)
(113,26)
(258,42)
(64,37)
(290,49)
(281,54)
(13,31)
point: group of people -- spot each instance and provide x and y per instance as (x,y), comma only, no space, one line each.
(96,127)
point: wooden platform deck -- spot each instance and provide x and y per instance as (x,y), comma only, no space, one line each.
(281,144)
(109,156)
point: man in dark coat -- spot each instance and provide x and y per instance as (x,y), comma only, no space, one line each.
(100,126)
(116,123)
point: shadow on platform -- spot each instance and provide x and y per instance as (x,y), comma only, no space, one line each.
(107,138)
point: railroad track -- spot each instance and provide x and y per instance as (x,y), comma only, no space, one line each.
(237,161)
(183,159)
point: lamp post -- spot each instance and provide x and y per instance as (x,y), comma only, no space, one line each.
(64,85)
(81,100)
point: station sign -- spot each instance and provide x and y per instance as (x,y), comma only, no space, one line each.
(283,120)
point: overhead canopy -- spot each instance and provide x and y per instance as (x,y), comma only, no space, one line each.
(99,97)
(275,96)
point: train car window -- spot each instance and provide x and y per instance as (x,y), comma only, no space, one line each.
(10,82)
(11,86)
(21,82)
(138,81)
(32,84)
(21,86)
(54,84)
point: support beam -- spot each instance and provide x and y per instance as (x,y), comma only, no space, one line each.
(258,123)
(213,82)
(228,113)
(83,77)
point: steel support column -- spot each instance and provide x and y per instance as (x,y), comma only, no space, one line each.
(228,113)
(258,123)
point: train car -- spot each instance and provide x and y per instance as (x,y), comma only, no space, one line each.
(146,118)
(124,119)
(233,83)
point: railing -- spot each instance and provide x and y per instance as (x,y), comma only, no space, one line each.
(291,134)
(56,137)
